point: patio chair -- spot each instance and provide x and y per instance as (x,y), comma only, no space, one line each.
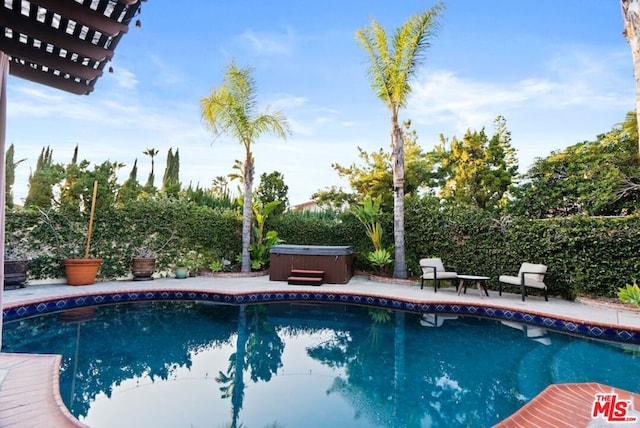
(434,270)
(530,275)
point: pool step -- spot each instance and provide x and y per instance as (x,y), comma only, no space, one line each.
(306,277)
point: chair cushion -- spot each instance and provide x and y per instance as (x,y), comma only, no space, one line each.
(440,275)
(530,280)
(427,266)
(531,267)
(432,262)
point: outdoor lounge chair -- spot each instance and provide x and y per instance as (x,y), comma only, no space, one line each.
(434,270)
(530,275)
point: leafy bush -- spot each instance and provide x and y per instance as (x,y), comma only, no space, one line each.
(630,294)
(380,259)
(585,255)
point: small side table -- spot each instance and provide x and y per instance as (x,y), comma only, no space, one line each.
(479,280)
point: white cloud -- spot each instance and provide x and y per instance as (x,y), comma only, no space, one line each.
(268,43)
(575,79)
(124,78)
(165,72)
(283,102)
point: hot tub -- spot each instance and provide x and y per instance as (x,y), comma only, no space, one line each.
(335,261)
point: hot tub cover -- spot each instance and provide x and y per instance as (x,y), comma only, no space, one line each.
(312,250)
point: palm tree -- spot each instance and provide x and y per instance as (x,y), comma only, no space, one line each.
(631,19)
(152,154)
(231,109)
(390,68)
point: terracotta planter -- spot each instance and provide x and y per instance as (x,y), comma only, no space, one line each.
(15,273)
(143,268)
(82,271)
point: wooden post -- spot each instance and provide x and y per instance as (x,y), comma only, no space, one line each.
(93,208)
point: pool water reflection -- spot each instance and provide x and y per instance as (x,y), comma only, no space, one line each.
(168,364)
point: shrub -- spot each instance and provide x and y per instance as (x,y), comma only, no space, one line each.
(630,294)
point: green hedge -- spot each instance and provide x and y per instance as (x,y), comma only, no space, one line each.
(172,228)
(585,255)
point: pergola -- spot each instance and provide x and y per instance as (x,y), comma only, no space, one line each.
(63,44)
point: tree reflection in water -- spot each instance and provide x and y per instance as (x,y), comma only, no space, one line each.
(384,367)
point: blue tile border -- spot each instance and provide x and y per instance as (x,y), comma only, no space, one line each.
(15,312)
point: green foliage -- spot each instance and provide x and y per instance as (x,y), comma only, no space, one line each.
(77,190)
(181,226)
(231,109)
(216,266)
(333,199)
(10,174)
(130,189)
(272,188)
(171,177)
(585,255)
(591,178)
(149,186)
(393,61)
(630,294)
(369,214)
(193,260)
(260,250)
(375,176)
(476,171)
(207,198)
(326,215)
(380,258)
(379,315)
(42,180)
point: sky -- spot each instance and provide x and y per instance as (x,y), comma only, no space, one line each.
(559,72)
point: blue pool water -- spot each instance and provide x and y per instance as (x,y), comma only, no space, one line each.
(193,364)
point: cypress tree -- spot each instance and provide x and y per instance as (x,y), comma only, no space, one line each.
(130,188)
(42,180)
(170,180)
(10,175)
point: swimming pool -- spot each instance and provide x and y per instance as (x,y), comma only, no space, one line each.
(290,364)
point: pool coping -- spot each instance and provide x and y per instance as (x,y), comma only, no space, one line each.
(406,297)
(501,312)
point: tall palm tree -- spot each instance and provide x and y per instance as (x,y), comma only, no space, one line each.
(152,154)
(390,69)
(631,19)
(231,109)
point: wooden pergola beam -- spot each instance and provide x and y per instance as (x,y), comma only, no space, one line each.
(17,49)
(27,72)
(23,25)
(83,15)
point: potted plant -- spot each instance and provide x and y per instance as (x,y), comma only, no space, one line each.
(143,262)
(78,270)
(15,270)
(17,245)
(182,269)
(83,271)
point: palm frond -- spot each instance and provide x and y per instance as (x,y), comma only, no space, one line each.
(410,43)
(374,41)
(390,68)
